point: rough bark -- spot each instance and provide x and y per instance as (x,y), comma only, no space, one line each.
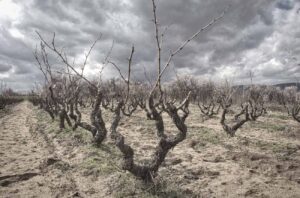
(231,130)
(61,119)
(148,171)
(296,113)
(209,110)
(256,110)
(50,113)
(97,126)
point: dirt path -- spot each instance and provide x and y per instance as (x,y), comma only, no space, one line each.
(20,154)
(37,162)
(25,159)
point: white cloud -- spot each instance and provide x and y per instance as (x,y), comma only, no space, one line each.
(9,10)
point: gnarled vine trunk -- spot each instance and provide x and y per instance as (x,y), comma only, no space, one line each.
(147,172)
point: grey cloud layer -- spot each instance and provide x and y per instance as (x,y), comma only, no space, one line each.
(258,36)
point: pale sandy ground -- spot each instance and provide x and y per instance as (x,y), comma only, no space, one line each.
(20,155)
(26,157)
(38,160)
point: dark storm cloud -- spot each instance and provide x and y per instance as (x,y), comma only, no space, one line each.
(252,36)
(5,68)
(13,47)
(285,4)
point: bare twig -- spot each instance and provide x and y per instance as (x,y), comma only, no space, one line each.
(119,70)
(181,47)
(64,59)
(158,45)
(89,52)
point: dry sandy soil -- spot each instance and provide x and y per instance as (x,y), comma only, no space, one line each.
(39,160)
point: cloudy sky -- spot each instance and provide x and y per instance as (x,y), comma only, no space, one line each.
(258,36)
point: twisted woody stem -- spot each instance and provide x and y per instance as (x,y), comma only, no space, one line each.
(148,170)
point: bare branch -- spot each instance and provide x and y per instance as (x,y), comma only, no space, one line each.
(65,61)
(105,61)
(89,52)
(129,72)
(119,70)
(158,45)
(184,101)
(180,48)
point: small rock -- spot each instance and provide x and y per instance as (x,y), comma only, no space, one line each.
(250,192)
(200,171)
(255,157)
(89,172)
(193,174)
(189,157)
(293,166)
(49,161)
(188,191)
(15,191)
(279,166)
(213,173)
(193,143)
(190,176)
(234,158)
(245,142)
(219,159)
(214,159)
(77,194)
(175,161)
